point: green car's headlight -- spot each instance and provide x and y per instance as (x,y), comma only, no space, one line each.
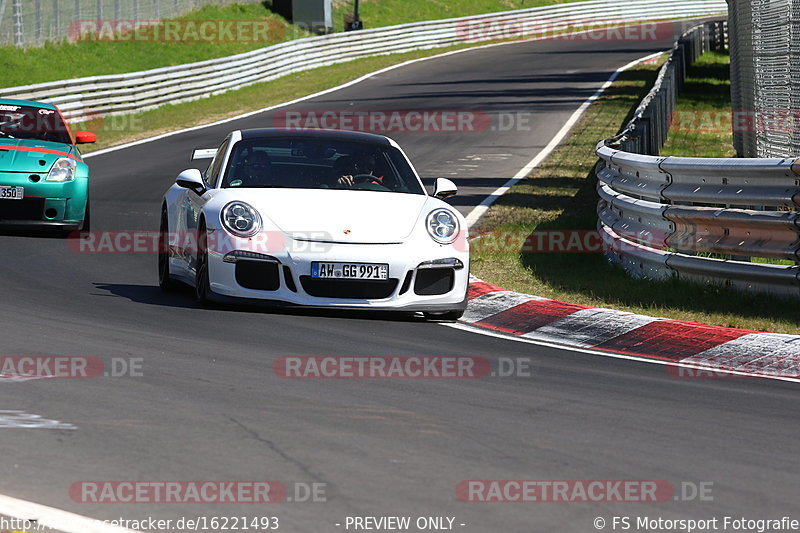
(240,219)
(442,226)
(62,170)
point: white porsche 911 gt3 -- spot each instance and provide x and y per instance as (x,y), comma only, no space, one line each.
(314,218)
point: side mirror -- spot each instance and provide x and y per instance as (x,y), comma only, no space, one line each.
(444,188)
(85,137)
(191,179)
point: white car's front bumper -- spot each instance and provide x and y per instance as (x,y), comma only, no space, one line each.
(284,277)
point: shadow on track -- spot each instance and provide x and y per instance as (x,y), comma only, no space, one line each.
(183,298)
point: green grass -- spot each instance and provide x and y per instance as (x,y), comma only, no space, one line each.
(58,61)
(701,125)
(378,13)
(65,60)
(560,195)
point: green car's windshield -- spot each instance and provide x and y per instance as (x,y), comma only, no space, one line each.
(36,123)
(323,163)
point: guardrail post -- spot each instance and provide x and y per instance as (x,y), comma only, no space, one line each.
(645,130)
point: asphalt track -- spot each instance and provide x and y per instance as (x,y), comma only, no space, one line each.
(209,406)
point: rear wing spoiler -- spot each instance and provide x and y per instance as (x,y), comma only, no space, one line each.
(203,153)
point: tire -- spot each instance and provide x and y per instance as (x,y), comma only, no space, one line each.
(202,286)
(165,281)
(449,316)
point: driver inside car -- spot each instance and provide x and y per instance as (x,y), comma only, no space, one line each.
(363,172)
(258,171)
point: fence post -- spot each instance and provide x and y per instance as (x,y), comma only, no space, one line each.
(37,27)
(56,31)
(16,8)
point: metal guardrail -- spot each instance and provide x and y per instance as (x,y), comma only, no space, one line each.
(138,91)
(707,220)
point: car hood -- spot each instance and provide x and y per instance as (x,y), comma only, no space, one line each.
(356,217)
(23,155)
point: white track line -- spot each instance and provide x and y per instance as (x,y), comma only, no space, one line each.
(481,209)
(55,518)
(575,349)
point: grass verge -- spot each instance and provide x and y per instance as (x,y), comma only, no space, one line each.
(701,124)
(66,60)
(379,13)
(560,195)
(142,51)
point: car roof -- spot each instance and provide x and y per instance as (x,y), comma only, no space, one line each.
(339,135)
(30,103)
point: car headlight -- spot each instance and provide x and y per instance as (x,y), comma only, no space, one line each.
(62,170)
(442,226)
(240,219)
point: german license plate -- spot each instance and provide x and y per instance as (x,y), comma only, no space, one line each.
(11,193)
(350,270)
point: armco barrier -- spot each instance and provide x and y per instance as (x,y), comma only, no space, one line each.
(707,220)
(138,91)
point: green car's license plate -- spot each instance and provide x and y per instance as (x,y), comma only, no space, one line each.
(11,193)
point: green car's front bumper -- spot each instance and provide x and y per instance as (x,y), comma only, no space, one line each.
(46,204)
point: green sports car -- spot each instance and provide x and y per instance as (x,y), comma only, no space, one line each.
(44,182)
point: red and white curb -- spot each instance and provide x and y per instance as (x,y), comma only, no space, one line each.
(709,351)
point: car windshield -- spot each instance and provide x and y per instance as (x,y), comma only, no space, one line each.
(28,122)
(319,163)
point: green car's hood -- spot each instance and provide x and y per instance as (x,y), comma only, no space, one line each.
(27,155)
